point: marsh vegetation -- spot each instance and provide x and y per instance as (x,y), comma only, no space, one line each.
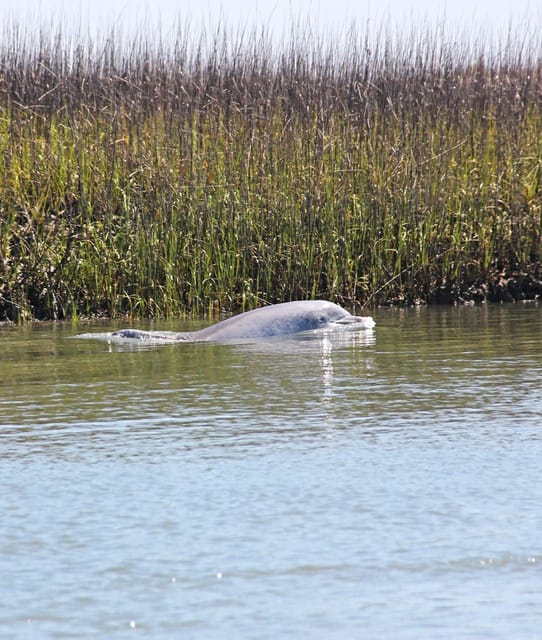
(158,177)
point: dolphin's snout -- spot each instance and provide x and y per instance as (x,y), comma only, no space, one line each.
(366,321)
(349,319)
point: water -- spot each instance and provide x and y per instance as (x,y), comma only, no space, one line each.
(363,485)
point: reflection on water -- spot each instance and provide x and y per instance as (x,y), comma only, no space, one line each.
(127,385)
(393,475)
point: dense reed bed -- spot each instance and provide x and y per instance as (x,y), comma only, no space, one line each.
(200,173)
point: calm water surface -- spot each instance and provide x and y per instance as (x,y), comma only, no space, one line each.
(382,485)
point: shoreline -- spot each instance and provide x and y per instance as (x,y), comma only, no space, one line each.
(515,288)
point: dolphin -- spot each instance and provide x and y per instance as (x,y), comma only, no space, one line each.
(274,320)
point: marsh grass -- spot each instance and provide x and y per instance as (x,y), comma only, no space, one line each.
(216,172)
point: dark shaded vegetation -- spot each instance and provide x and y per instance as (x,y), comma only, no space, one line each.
(152,178)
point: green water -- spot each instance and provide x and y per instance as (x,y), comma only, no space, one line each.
(373,485)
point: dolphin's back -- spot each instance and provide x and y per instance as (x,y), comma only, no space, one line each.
(277,319)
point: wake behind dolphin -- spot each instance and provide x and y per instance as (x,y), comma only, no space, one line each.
(275,320)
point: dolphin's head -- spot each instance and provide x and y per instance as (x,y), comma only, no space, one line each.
(331,315)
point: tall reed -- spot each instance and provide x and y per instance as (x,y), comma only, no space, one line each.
(155,177)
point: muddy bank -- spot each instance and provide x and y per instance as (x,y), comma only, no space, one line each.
(501,286)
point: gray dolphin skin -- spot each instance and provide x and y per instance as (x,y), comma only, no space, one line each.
(274,320)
